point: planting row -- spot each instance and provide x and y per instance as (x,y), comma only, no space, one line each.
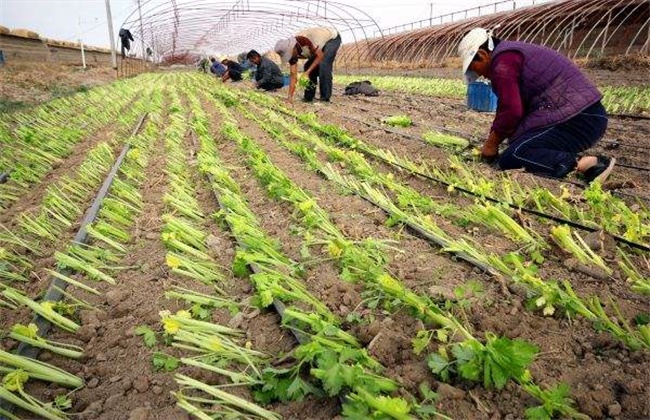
(617,100)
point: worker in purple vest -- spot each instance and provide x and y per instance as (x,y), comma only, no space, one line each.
(547,109)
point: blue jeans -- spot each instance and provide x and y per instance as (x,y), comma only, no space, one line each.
(554,150)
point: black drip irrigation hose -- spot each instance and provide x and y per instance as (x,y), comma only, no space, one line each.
(638,168)
(54,292)
(430,238)
(277,305)
(527,210)
(537,213)
(3,177)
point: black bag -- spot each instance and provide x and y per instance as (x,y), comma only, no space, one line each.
(361,88)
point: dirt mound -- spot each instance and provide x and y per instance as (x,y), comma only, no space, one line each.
(620,62)
(30,84)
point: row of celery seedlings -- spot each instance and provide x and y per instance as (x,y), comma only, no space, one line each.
(612,214)
(494,362)
(211,347)
(544,200)
(33,149)
(604,211)
(460,175)
(59,209)
(493,216)
(60,206)
(59,106)
(107,245)
(617,99)
(329,354)
(546,295)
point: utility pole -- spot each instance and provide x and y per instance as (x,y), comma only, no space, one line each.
(81,44)
(144,53)
(111,34)
(430,14)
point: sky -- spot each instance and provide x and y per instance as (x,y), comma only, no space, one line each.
(67,20)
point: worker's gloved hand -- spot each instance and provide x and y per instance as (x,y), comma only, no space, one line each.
(490,150)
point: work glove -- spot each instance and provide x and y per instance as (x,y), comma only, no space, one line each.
(490,150)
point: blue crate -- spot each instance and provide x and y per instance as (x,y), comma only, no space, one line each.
(480,97)
(286,79)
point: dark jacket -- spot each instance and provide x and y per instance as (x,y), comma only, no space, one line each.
(234,69)
(126,37)
(268,72)
(552,88)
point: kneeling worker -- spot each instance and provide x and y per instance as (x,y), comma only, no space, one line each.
(547,108)
(319,46)
(268,75)
(233,70)
(217,68)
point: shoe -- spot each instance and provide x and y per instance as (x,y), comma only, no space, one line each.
(307,101)
(600,171)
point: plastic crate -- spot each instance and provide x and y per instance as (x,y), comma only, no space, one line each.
(480,97)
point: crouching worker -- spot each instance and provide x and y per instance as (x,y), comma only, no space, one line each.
(234,70)
(217,68)
(268,75)
(547,108)
(319,46)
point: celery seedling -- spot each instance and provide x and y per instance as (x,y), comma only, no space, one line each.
(223,399)
(562,235)
(29,335)
(398,121)
(39,370)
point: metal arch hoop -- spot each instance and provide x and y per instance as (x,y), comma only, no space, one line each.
(177,27)
(554,24)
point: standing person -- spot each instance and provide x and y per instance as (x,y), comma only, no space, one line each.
(268,75)
(217,68)
(547,108)
(233,70)
(319,46)
(125,39)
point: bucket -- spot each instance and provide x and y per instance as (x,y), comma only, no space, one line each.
(286,79)
(480,97)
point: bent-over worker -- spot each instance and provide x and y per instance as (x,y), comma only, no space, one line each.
(547,108)
(319,46)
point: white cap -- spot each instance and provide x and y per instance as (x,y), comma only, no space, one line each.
(284,48)
(468,48)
